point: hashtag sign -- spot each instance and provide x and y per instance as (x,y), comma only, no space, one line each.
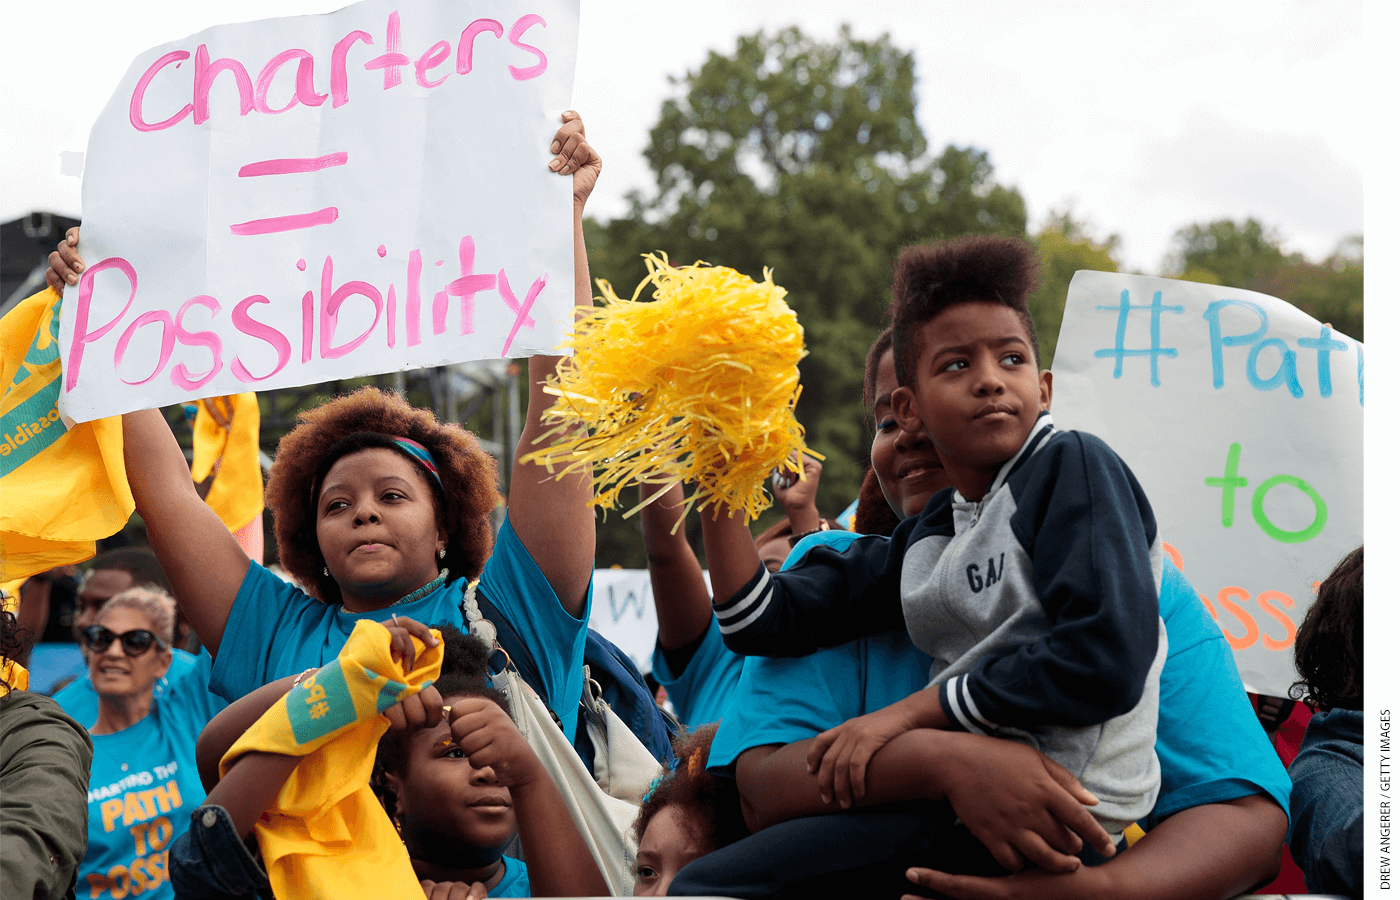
(320,705)
(1118,351)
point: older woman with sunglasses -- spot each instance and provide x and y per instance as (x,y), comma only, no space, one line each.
(144,779)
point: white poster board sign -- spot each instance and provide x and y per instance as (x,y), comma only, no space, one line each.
(1241,416)
(295,200)
(624,612)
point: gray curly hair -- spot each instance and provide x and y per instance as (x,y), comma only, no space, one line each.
(156,605)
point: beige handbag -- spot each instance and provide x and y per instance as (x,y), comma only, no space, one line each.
(603,803)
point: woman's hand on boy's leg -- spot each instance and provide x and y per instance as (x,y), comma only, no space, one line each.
(839,757)
(1022,805)
(1032,884)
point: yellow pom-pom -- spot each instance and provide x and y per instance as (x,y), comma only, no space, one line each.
(698,385)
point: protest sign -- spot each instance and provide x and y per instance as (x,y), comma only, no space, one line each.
(624,612)
(1241,416)
(295,200)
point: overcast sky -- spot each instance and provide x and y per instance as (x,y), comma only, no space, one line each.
(1144,116)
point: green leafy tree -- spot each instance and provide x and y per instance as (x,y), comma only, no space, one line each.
(1066,246)
(804,157)
(1329,291)
(1235,253)
(1250,256)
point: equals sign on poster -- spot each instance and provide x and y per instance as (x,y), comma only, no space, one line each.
(286,167)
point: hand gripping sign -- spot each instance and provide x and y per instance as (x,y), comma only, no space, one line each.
(295,200)
(1241,417)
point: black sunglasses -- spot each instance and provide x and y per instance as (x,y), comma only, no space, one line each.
(134,642)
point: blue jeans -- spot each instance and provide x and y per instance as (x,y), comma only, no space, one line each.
(854,854)
(1325,837)
(211,862)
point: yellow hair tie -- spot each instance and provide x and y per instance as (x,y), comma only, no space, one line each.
(698,384)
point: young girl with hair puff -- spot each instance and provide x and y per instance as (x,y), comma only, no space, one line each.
(688,813)
(460,792)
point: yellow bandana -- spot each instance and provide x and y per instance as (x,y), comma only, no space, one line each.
(327,835)
(64,484)
(15,676)
(226,446)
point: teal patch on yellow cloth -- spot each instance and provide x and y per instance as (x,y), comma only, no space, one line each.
(64,488)
(320,705)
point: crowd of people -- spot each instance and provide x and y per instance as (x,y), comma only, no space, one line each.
(992,684)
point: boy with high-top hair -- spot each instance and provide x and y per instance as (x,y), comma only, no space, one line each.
(1032,584)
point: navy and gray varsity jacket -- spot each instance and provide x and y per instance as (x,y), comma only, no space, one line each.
(1038,605)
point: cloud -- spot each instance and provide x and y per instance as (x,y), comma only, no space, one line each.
(1216,168)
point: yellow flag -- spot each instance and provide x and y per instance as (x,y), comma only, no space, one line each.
(327,835)
(14,676)
(9,594)
(64,485)
(226,445)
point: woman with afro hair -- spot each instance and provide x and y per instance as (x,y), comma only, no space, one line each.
(381,510)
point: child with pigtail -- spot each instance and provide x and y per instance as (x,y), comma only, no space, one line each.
(688,813)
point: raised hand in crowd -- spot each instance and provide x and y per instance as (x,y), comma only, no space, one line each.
(65,265)
(798,496)
(677,582)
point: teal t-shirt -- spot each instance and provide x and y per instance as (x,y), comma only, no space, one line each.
(143,786)
(275,629)
(515,882)
(1209,742)
(188,671)
(701,691)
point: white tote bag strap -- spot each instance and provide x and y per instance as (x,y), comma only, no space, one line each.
(622,764)
(605,822)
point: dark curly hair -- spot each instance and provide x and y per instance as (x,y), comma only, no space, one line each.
(974,268)
(883,344)
(710,804)
(367,418)
(465,673)
(14,637)
(1328,649)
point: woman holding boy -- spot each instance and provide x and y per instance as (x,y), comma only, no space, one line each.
(1218,819)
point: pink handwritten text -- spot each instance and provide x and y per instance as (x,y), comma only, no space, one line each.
(253,95)
(287,223)
(321,312)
